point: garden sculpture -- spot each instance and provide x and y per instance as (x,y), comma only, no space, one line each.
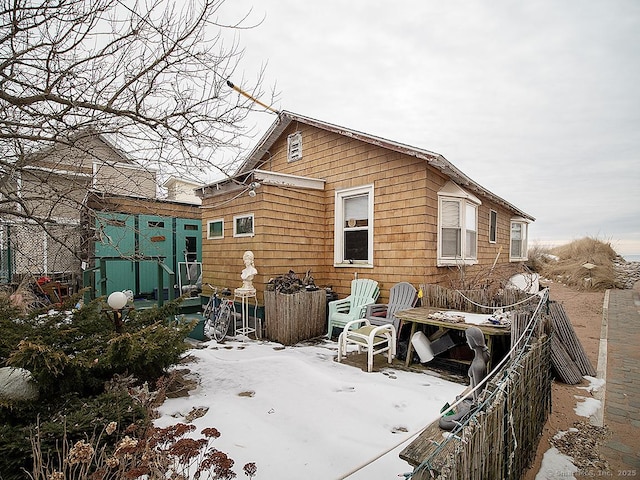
(477,373)
(247,274)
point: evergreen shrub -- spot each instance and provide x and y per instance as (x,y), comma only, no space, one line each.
(73,356)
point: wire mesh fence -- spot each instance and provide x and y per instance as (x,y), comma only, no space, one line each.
(28,250)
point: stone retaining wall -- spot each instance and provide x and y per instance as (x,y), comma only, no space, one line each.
(626,273)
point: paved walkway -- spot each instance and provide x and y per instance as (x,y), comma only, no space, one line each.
(621,403)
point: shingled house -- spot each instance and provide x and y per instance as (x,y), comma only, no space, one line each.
(316,196)
(50,190)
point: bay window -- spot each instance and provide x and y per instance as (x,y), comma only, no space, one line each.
(457,226)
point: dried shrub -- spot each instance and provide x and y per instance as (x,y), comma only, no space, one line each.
(15,303)
(69,417)
(157,453)
(565,264)
(491,279)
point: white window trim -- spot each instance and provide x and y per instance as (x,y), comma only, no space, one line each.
(525,240)
(495,240)
(338,239)
(452,192)
(235,225)
(209,222)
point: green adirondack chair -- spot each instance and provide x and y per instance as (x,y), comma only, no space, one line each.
(364,291)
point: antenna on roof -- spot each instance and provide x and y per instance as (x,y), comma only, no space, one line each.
(242,92)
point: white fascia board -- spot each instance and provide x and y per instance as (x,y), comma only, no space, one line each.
(58,171)
(286,180)
(124,166)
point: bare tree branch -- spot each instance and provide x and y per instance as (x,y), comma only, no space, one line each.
(150,75)
(154,71)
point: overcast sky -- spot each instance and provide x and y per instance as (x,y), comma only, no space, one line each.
(537,101)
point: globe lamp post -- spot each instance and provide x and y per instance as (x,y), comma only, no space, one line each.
(117,301)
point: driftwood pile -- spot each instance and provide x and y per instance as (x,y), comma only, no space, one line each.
(291,283)
(568,358)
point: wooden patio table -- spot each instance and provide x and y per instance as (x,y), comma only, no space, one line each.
(420,316)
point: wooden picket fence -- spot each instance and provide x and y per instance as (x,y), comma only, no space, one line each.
(473,301)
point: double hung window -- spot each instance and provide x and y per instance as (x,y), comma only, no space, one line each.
(518,244)
(354,226)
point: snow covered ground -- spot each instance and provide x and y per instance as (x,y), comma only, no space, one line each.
(297,413)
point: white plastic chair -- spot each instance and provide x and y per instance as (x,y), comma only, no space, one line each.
(374,338)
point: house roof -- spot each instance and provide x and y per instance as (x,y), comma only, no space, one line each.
(171,180)
(436,160)
(81,137)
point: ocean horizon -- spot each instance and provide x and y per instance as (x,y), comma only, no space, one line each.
(632,258)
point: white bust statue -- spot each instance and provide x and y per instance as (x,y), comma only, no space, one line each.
(248,273)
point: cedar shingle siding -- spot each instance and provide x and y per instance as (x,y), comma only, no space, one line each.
(294,227)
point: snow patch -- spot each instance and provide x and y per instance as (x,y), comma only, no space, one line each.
(595,384)
(556,465)
(309,416)
(587,406)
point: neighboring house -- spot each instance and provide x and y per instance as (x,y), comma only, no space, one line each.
(52,190)
(312,195)
(181,190)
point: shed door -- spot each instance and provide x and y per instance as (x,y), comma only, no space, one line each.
(155,240)
(115,234)
(188,240)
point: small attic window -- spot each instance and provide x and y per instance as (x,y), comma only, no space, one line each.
(294,147)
